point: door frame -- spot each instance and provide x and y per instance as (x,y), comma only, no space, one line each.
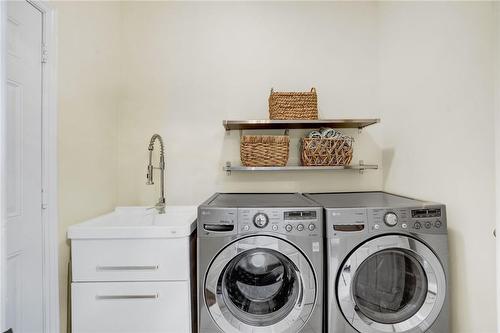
(49,165)
(496,7)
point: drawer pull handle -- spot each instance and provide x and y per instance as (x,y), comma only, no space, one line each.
(127,268)
(146,296)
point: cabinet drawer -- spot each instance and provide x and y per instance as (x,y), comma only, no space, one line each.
(130,259)
(144,307)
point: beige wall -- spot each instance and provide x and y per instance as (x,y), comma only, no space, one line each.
(436,94)
(88,82)
(179,69)
(188,66)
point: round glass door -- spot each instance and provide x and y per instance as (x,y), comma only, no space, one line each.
(391,284)
(258,284)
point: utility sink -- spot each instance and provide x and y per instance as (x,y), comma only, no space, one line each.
(137,262)
(138,222)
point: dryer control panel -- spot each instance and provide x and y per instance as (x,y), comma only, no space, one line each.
(422,220)
(345,221)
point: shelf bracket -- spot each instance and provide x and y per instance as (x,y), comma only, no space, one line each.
(360,129)
(361,167)
(228,168)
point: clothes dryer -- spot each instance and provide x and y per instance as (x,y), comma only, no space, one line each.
(387,263)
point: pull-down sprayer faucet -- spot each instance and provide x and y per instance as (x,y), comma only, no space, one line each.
(160,205)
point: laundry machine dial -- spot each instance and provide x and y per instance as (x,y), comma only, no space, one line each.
(260,220)
(391,219)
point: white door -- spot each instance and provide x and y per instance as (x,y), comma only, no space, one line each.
(24,276)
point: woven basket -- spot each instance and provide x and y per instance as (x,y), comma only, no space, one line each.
(293,105)
(264,150)
(326,152)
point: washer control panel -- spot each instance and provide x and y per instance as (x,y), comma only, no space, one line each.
(297,222)
(422,220)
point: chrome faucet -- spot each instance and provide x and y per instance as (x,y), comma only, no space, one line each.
(160,205)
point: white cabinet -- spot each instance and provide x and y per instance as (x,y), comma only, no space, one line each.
(110,307)
(130,259)
(131,272)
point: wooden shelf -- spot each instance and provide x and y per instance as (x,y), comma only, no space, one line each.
(293,124)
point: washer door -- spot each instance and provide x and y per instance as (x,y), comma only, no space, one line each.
(391,284)
(260,284)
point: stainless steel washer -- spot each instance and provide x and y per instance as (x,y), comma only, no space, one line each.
(387,263)
(260,264)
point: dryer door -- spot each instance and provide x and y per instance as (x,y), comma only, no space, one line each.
(260,284)
(391,284)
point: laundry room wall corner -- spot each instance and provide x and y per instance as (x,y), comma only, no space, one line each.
(437,102)
(88,76)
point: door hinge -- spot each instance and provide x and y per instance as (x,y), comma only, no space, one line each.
(44,199)
(44,54)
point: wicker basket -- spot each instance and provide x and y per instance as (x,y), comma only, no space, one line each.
(293,105)
(326,152)
(264,150)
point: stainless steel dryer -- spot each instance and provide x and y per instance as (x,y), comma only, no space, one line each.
(260,264)
(387,263)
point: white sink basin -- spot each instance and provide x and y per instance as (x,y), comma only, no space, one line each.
(138,222)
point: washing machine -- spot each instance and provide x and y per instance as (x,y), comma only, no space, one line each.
(260,264)
(387,263)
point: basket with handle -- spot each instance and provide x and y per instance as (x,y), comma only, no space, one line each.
(326,151)
(293,105)
(264,150)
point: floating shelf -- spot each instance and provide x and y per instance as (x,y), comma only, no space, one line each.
(298,124)
(293,124)
(360,167)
